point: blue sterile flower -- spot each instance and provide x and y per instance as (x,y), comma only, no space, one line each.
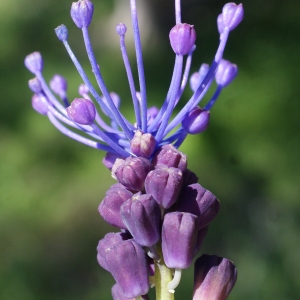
(153,126)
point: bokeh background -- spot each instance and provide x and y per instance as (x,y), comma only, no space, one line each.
(51,186)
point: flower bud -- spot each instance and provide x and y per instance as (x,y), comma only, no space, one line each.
(214,278)
(83,90)
(182,38)
(35,85)
(40,104)
(121,29)
(232,15)
(128,265)
(109,241)
(61,32)
(34,62)
(142,144)
(226,72)
(151,114)
(168,155)
(142,217)
(82,111)
(197,200)
(196,121)
(179,236)
(59,85)
(164,184)
(82,13)
(132,172)
(110,206)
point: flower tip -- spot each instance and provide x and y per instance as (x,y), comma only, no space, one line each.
(61,32)
(196,121)
(226,72)
(82,13)
(121,29)
(182,38)
(59,85)
(34,62)
(39,104)
(82,111)
(35,85)
(233,15)
(143,144)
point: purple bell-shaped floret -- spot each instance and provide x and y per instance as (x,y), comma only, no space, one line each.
(82,13)
(142,144)
(197,200)
(109,241)
(196,121)
(82,111)
(110,206)
(168,155)
(128,265)
(214,278)
(132,172)
(118,294)
(182,38)
(179,237)
(164,184)
(142,217)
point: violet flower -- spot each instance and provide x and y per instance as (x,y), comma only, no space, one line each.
(161,210)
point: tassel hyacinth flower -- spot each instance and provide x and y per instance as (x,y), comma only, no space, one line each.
(159,206)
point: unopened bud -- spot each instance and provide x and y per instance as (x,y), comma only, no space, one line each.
(142,144)
(226,72)
(214,277)
(34,62)
(232,15)
(61,32)
(196,121)
(59,85)
(40,104)
(182,38)
(121,29)
(35,85)
(82,111)
(82,13)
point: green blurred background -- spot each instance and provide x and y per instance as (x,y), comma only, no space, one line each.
(51,186)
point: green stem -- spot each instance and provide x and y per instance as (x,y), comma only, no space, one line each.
(163,275)
(139,298)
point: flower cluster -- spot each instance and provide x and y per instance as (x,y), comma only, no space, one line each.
(161,209)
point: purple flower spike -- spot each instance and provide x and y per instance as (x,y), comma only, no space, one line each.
(182,38)
(226,72)
(168,155)
(82,13)
(143,144)
(82,111)
(196,121)
(142,217)
(35,85)
(128,265)
(179,236)
(132,172)
(110,206)
(232,15)
(59,85)
(164,184)
(34,62)
(197,200)
(40,104)
(214,278)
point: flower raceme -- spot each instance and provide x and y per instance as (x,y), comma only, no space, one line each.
(158,204)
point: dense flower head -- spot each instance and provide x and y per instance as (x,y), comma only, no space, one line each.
(157,202)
